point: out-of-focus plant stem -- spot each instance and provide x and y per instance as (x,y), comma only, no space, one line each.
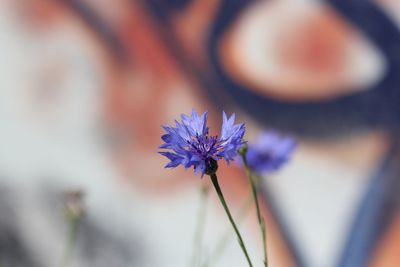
(199,232)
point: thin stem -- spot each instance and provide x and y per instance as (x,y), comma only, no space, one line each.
(201,218)
(71,238)
(223,241)
(261,222)
(214,180)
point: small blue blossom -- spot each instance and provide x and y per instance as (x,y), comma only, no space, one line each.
(190,144)
(270,151)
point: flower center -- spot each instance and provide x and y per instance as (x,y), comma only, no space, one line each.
(205,146)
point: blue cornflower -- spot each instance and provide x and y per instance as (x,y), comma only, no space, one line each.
(190,144)
(270,151)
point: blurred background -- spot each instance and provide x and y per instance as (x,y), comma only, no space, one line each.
(86,84)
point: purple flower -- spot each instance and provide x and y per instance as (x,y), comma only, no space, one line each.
(190,144)
(270,151)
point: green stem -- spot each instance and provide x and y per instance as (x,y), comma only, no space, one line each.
(71,238)
(261,222)
(223,241)
(198,236)
(214,180)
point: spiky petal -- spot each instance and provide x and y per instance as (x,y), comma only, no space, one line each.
(191,145)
